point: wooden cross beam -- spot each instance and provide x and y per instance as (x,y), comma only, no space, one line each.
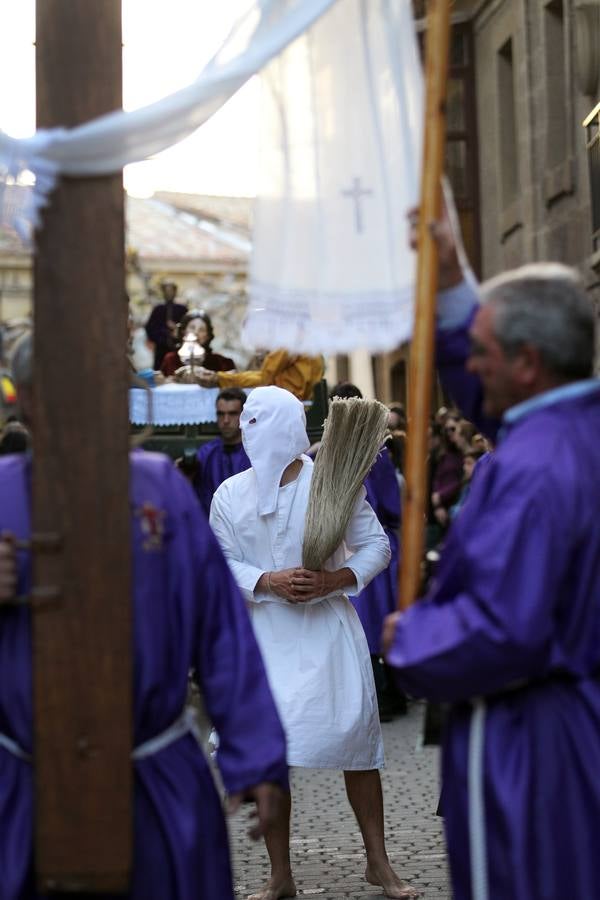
(82,641)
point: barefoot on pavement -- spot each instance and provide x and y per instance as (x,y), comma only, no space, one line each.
(392,886)
(276,890)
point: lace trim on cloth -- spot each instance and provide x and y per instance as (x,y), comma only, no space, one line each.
(318,322)
(174,404)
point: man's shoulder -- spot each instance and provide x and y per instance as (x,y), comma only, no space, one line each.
(531,461)
(544,436)
(209,448)
(562,438)
(155,480)
(238,485)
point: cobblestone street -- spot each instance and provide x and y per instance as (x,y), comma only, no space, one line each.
(327,853)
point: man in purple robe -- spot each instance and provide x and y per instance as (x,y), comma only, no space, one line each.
(163,320)
(187,614)
(509,633)
(378,599)
(225,456)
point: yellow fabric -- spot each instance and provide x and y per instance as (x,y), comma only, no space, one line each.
(297,374)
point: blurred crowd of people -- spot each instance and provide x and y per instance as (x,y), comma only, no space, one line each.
(455,446)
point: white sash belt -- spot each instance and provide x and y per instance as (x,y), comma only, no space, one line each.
(185,724)
(476,783)
(13,747)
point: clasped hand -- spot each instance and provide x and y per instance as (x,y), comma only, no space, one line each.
(300,585)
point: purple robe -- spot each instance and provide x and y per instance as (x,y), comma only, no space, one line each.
(216,462)
(379,597)
(513,615)
(187,613)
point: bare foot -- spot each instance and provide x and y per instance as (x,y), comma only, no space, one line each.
(394,887)
(276,889)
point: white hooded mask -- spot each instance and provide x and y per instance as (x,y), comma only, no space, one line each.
(273,424)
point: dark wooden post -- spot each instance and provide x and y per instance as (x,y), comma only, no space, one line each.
(82,642)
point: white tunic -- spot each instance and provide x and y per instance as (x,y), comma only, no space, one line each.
(315,653)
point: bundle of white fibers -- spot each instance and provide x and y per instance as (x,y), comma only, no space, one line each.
(352,437)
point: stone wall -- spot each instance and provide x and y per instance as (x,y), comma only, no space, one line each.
(548,216)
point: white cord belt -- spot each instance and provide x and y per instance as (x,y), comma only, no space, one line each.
(185,724)
(477,833)
(13,747)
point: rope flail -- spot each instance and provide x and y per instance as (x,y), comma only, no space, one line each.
(354,432)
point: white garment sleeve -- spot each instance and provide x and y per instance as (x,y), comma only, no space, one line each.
(368,543)
(221,520)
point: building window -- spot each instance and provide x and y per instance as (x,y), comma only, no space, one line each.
(554,33)
(558,179)
(592,126)
(507,125)
(462,155)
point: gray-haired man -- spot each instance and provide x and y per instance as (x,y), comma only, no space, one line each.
(509,633)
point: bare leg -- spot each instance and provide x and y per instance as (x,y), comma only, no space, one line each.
(366,799)
(281,883)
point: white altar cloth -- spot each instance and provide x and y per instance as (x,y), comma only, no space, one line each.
(173,404)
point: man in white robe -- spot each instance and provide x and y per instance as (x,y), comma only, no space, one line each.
(312,642)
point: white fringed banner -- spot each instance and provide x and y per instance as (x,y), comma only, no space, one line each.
(342,120)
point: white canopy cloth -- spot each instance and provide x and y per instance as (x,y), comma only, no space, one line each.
(342,110)
(316,654)
(110,142)
(343,115)
(173,404)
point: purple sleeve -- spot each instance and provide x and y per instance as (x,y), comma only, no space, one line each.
(458,309)
(488,622)
(464,389)
(232,676)
(456,304)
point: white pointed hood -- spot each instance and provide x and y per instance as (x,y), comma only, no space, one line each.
(273,426)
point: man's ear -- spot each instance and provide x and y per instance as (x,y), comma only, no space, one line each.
(528,365)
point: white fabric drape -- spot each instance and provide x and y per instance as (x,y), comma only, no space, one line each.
(331,271)
(342,123)
(110,142)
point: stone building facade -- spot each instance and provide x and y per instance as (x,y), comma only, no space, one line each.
(526,182)
(532,97)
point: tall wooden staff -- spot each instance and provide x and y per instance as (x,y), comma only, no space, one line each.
(421,354)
